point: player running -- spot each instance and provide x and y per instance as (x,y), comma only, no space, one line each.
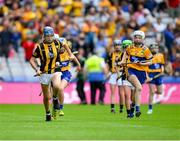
(117,80)
(139,57)
(47,52)
(155,70)
(65,77)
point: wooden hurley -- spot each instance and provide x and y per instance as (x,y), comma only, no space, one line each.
(156,76)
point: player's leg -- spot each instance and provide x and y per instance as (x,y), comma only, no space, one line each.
(132,101)
(63,85)
(127,91)
(159,89)
(46,101)
(159,85)
(57,93)
(112,97)
(55,103)
(112,83)
(138,88)
(45,80)
(151,96)
(121,98)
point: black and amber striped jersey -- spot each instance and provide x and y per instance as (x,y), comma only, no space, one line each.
(113,60)
(48,54)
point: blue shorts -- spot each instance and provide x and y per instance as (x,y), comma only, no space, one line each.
(66,75)
(156,81)
(141,75)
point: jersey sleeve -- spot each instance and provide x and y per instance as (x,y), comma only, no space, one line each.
(36,52)
(128,50)
(64,42)
(148,54)
(162,59)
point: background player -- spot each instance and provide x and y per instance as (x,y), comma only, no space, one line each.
(156,69)
(65,77)
(116,78)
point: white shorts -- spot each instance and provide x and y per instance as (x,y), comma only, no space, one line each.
(120,82)
(46,78)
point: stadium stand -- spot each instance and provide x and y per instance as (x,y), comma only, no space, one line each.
(91,25)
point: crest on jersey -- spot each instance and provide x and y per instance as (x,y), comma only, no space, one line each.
(51,55)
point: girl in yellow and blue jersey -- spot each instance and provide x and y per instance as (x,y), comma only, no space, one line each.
(155,69)
(139,57)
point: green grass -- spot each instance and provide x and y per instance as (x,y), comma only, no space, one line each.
(81,122)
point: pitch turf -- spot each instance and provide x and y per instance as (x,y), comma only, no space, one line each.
(86,122)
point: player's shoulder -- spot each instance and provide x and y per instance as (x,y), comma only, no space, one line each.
(144,47)
(160,54)
(130,47)
(62,39)
(38,45)
(37,48)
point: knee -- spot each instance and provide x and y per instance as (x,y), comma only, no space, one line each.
(47,97)
(138,88)
(151,93)
(61,89)
(159,92)
(57,87)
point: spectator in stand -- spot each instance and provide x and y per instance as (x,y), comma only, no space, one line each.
(159,26)
(176,66)
(169,39)
(28,46)
(5,38)
(112,18)
(174,7)
(176,54)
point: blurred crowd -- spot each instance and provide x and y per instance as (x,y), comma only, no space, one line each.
(91,25)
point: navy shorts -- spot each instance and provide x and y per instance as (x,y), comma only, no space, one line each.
(141,75)
(66,75)
(156,81)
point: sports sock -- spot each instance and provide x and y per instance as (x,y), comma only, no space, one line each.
(132,107)
(150,106)
(128,112)
(112,106)
(55,103)
(121,107)
(61,106)
(48,113)
(137,108)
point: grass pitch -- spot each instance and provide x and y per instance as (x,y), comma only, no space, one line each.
(86,122)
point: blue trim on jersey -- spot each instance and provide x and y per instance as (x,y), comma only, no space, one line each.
(61,39)
(136,58)
(64,63)
(155,66)
(141,75)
